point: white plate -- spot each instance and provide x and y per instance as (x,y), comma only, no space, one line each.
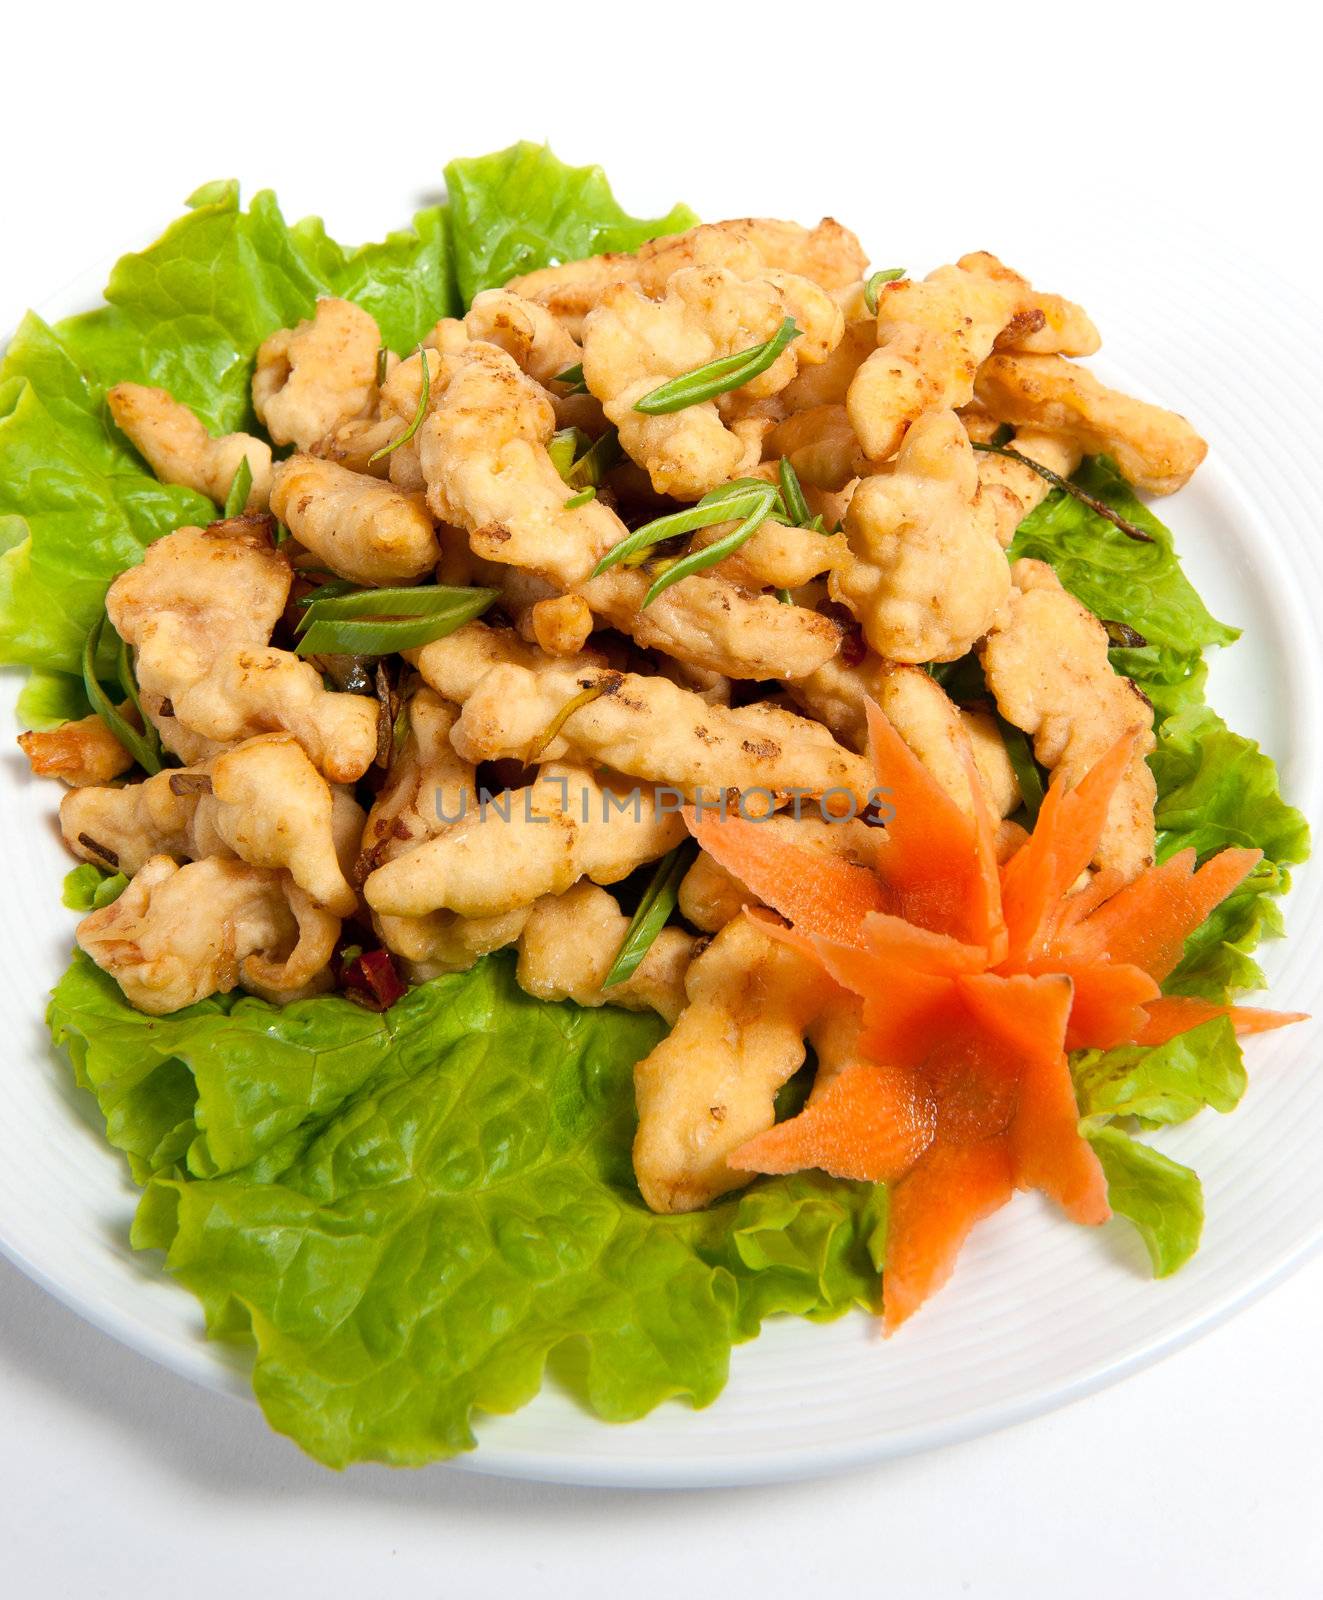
(1039,1312)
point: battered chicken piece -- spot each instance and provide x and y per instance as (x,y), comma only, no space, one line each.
(483,454)
(828,384)
(821,445)
(653,729)
(427,789)
(353,444)
(632,344)
(715,623)
(934,334)
(828,255)
(561,624)
(525,330)
(178,934)
(570,941)
(943,735)
(366,531)
(1047,665)
(711,1084)
(927,575)
(199,610)
(263,802)
(528,843)
(78,753)
(775,557)
(311,379)
(1156,450)
(1013,490)
(179,449)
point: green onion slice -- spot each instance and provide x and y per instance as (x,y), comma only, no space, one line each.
(792,495)
(700,560)
(654,911)
(564,446)
(785,597)
(383,356)
(1072,489)
(240,488)
(572,374)
(580,499)
(595,462)
(145,748)
(378,622)
(418,415)
(740,499)
(1027,775)
(889,275)
(717,377)
(327,591)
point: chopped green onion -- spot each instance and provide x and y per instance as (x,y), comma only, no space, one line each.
(240,488)
(654,912)
(580,499)
(631,550)
(376,622)
(1025,768)
(875,283)
(564,445)
(1121,636)
(594,691)
(145,748)
(418,415)
(717,377)
(327,591)
(595,462)
(792,495)
(785,597)
(1073,489)
(573,376)
(700,560)
(383,356)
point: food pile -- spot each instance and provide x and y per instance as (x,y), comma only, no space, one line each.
(673,618)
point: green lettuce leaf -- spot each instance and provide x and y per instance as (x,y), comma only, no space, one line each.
(436,1202)
(1163,1199)
(1118,578)
(522,208)
(1163,1083)
(50,699)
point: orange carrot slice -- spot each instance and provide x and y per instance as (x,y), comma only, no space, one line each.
(820,893)
(933,1210)
(1146,923)
(870,1123)
(940,863)
(1108,1003)
(1069,825)
(1173,1014)
(894,939)
(1030,1014)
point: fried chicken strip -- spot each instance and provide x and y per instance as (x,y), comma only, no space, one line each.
(933,335)
(79,753)
(312,379)
(570,942)
(828,255)
(711,1084)
(1156,450)
(633,344)
(364,530)
(1047,665)
(179,449)
(528,843)
(927,576)
(199,611)
(178,934)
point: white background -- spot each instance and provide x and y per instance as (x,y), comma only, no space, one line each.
(971,127)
